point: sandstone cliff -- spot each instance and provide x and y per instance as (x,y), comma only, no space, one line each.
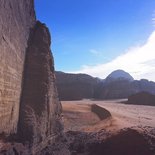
(122,88)
(117,85)
(119,74)
(29,105)
(142,98)
(40,109)
(16,19)
(114,89)
(75,86)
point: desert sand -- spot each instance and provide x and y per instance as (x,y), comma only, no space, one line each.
(130,130)
(123,115)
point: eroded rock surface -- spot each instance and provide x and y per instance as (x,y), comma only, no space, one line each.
(29,107)
(119,84)
(75,86)
(126,141)
(16,19)
(40,110)
(101,112)
(142,98)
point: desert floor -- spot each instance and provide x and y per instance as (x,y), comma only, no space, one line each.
(78,115)
(130,130)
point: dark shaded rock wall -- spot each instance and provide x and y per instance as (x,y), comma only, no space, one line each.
(122,88)
(142,98)
(114,90)
(144,85)
(40,110)
(16,19)
(80,86)
(75,86)
(101,112)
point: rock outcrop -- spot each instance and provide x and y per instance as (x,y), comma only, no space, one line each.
(142,98)
(116,85)
(122,88)
(125,142)
(29,105)
(40,109)
(119,74)
(101,112)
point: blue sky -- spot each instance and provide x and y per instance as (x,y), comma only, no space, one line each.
(88,35)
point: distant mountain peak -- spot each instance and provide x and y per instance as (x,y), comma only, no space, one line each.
(119,74)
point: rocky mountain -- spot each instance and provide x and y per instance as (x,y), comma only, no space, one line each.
(142,98)
(122,88)
(29,105)
(114,89)
(75,86)
(119,84)
(119,75)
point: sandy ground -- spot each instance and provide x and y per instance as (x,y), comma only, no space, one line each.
(77,115)
(130,130)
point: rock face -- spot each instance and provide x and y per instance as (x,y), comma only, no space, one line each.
(116,85)
(101,112)
(75,86)
(142,98)
(119,74)
(40,109)
(119,84)
(114,89)
(29,105)
(122,88)
(144,85)
(16,19)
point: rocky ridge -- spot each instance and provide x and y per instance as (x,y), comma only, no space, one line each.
(142,98)
(119,74)
(115,86)
(75,86)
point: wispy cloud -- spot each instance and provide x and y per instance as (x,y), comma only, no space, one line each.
(138,61)
(95,52)
(153,19)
